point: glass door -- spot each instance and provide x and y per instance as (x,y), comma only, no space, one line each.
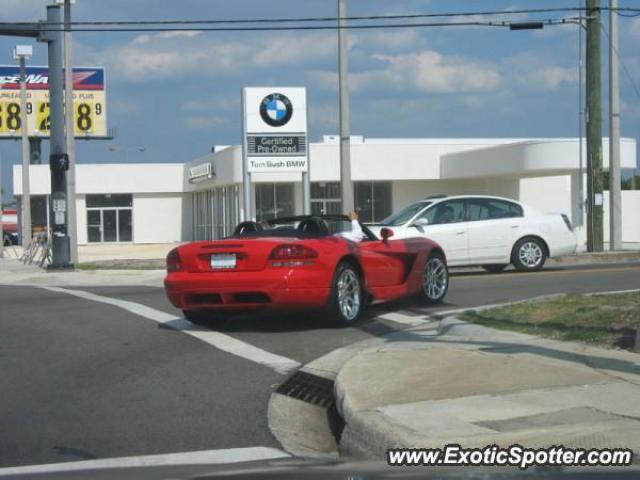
(94,226)
(109,226)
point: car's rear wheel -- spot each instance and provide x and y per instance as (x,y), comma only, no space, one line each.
(529,254)
(435,279)
(346,299)
(495,268)
(202,317)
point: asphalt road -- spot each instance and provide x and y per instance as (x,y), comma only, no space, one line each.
(81,379)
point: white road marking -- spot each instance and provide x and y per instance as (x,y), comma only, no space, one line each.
(404,319)
(219,340)
(201,457)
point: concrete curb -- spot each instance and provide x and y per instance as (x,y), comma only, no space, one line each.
(370,433)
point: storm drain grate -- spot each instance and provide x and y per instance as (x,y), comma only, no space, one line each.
(308,388)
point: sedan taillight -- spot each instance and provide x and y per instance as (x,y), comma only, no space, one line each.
(292,256)
(173,261)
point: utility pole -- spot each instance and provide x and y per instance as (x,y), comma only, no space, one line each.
(58,159)
(72,221)
(594,129)
(345,131)
(22,53)
(615,211)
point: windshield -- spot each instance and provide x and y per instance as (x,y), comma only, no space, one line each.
(404,215)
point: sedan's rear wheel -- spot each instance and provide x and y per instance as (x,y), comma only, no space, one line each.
(346,299)
(529,254)
(435,279)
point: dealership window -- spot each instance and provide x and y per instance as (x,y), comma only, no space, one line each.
(216,212)
(274,200)
(326,198)
(373,200)
(109,218)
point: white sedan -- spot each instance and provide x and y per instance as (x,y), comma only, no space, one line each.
(483,230)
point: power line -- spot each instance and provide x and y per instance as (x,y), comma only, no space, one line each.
(500,24)
(635,11)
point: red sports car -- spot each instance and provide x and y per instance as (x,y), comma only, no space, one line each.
(304,262)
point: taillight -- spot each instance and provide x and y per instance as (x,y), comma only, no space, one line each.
(292,256)
(567,222)
(173,261)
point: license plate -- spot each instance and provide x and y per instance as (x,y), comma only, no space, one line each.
(223,260)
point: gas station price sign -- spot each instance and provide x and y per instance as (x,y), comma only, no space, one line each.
(89,102)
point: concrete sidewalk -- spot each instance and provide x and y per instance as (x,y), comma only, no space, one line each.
(475,386)
(13,272)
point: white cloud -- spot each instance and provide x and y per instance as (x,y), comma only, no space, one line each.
(535,72)
(289,49)
(433,72)
(177,54)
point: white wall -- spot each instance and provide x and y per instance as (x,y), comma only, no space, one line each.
(630,203)
(108,178)
(157,218)
(81,215)
(548,194)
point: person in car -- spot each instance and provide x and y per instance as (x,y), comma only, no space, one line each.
(356,234)
(445,215)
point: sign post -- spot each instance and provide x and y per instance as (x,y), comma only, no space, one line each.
(274,138)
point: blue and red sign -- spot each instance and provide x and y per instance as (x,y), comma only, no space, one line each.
(84,78)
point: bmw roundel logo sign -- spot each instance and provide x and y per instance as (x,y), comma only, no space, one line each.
(276,109)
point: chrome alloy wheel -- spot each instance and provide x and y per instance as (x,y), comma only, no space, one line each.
(435,278)
(530,254)
(349,294)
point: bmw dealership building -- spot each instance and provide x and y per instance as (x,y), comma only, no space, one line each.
(203,198)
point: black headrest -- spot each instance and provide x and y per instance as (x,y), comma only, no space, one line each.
(247,227)
(313,226)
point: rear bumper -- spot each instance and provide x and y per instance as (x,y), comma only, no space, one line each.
(563,245)
(282,289)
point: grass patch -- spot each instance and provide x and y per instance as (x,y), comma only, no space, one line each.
(137,264)
(605,320)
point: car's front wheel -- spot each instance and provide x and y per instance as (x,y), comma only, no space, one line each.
(435,279)
(529,254)
(346,298)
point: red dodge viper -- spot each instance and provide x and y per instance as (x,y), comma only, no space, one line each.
(304,262)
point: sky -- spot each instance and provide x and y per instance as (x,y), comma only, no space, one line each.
(176,94)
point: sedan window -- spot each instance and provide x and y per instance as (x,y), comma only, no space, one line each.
(404,215)
(451,211)
(491,209)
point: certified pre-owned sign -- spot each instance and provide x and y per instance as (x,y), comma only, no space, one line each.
(275,129)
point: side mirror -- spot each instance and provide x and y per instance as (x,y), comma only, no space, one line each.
(386,233)
(421,222)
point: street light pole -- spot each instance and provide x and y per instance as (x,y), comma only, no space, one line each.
(615,211)
(345,132)
(22,53)
(72,221)
(58,159)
